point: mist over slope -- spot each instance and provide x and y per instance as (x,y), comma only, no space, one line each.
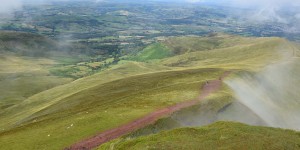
(135,87)
(273,94)
(25,59)
(70,69)
(265,97)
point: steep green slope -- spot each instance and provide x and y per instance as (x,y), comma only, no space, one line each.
(127,91)
(47,98)
(103,107)
(181,45)
(201,114)
(249,56)
(22,77)
(220,135)
(151,52)
(24,66)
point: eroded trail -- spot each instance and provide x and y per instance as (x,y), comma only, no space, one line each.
(95,141)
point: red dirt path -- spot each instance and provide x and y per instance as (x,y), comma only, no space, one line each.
(97,140)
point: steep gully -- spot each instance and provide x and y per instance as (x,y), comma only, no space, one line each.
(97,140)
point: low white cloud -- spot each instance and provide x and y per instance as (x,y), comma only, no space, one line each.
(268,13)
(265,10)
(272,94)
(9,6)
(258,3)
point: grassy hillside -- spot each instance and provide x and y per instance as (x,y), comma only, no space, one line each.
(181,45)
(25,60)
(100,108)
(23,76)
(130,89)
(220,135)
(202,114)
(251,55)
(151,52)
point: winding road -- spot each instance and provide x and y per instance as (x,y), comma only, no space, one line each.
(97,140)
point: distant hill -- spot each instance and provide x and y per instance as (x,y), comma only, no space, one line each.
(27,44)
(35,45)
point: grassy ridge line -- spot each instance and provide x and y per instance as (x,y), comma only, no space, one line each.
(176,59)
(47,98)
(207,89)
(68,101)
(59,93)
(106,106)
(58,106)
(220,135)
(181,45)
(266,52)
(103,101)
(251,56)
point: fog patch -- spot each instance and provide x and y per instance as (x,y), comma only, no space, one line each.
(273,94)
(268,13)
(200,115)
(267,98)
(241,113)
(7,8)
